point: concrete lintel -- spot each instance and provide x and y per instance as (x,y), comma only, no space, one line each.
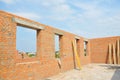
(27,24)
(85,39)
(77,37)
(58,33)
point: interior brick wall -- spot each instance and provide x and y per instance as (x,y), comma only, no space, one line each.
(99,48)
(13,67)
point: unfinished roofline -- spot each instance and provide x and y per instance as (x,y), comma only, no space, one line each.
(35,22)
(104,37)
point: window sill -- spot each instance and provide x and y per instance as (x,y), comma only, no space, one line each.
(30,62)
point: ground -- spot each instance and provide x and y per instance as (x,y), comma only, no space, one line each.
(91,72)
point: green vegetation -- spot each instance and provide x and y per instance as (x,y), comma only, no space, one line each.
(31,54)
(57,54)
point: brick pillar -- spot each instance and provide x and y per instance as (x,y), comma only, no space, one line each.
(45,44)
(7,46)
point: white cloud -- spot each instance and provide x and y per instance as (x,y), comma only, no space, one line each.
(61,12)
(57,9)
(82,17)
(8,1)
(110,21)
(29,15)
(89,10)
(47,3)
(52,2)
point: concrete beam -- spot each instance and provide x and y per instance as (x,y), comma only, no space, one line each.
(27,24)
(77,37)
(85,39)
(58,33)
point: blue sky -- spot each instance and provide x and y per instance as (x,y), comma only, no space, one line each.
(88,18)
(26,39)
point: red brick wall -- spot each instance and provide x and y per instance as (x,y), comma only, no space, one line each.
(99,48)
(13,67)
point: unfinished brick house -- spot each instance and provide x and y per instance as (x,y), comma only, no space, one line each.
(14,67)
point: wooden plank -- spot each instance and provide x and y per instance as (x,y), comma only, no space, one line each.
(110,54)
(118,51)
(114,54)
(76,54)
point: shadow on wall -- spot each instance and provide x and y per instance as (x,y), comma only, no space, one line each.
(107,60)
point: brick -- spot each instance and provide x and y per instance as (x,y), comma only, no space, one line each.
(99,48)
(47,64)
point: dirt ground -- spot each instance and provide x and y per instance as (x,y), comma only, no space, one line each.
(91,72)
